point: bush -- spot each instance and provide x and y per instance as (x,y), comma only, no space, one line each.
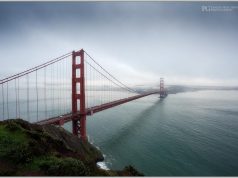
(6,173)
(18,154)
(53,166)
(13,126)
(14,151)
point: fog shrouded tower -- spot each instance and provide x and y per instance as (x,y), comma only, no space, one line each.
(163,93)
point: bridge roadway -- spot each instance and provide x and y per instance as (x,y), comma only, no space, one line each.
(60,120)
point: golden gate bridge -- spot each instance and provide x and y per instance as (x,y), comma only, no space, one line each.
(64,89)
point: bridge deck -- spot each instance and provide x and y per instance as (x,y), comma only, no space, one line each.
(89,111)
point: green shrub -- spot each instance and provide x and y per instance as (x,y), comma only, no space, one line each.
(19,154)
(53,166)
(6,173)
(13,126)
(14,151)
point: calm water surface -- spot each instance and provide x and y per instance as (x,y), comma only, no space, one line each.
(193,133)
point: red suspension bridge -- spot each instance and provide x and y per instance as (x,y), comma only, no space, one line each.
(67,88)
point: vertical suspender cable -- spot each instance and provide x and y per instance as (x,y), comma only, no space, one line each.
(16,96)
(91,87)
(107,90)
(68,96)
(45,103)
(99,91)
(93,98)
(109,83)
(3,103)
(103,83)
(108,94)
(52,94)
(69,84)
(7,103)
(56,91)
(19,107)
(109,86)
(28,113)
(86,86)
(90,83)
(37,116)
(58,84)
(60,88)
(94,86)
(109,99)
(110,91)
(65,84)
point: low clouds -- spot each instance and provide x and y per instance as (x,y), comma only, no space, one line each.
(145,40)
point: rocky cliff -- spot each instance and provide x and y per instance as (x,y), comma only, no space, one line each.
(35,150)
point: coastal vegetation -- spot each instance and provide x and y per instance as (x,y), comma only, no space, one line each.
(34,150)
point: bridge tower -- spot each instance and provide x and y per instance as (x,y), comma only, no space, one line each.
(163,93)
(78,81)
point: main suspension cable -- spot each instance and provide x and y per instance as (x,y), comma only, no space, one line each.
(132,90)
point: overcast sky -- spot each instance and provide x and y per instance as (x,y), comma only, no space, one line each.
(138,42)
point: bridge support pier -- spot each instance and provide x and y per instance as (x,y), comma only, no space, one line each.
(79,120)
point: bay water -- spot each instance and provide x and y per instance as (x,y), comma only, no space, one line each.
(185,134)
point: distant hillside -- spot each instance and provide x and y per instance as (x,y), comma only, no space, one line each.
(172,89)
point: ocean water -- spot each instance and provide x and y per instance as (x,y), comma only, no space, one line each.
(185,134)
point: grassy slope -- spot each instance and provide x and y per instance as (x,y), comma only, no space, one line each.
(30,149)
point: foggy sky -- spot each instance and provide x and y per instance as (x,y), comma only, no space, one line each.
(138,42)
